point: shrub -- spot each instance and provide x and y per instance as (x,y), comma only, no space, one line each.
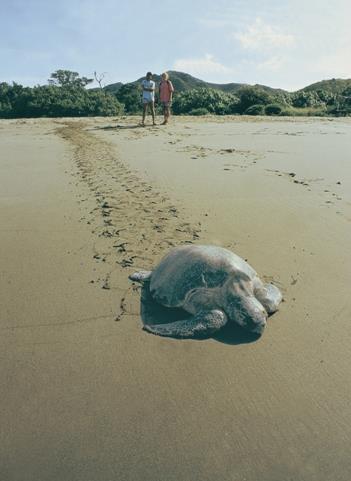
(273,109)
(213,101)
(255,110)
(304,98)
(250,96)
(55,101)
(304,112)
(130,96)
(199,111)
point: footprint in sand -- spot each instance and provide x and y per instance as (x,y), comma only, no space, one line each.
(132,220)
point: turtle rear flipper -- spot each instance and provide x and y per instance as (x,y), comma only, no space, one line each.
(141,276)
(202,325)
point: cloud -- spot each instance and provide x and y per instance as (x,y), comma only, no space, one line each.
(335,63)
(216,22)
(201,66)
(272,64)
(260,36)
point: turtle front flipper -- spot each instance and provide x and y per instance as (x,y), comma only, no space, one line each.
(202,325)
(141,276)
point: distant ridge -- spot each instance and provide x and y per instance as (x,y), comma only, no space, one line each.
(334,86)
(183,81)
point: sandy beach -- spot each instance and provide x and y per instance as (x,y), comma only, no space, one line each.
(86,394)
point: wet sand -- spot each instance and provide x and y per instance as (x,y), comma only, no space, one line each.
(86,394)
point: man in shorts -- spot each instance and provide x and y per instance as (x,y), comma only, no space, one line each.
(148,86)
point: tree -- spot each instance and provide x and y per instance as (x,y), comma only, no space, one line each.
(345,102)
(55,101)
(67,78)
(213,101)
(99,78)
(305,98)
(130,96)
(13,100)
(273,109)
(5,103)
(252,96)
(327,97)
(257,109)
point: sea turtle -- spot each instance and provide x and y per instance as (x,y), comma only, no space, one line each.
(214,285)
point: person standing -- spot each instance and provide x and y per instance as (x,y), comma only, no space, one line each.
(166,90)
(148,87)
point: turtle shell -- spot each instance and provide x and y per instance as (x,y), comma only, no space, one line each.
(192,266)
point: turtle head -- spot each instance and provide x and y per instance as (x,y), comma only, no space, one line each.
(249,313)
(242,307)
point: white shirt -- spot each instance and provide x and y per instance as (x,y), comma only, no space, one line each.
(148,96)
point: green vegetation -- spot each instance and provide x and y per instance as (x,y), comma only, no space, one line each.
(130,96)
(210,100)
(250,96)
(199,111)
(66,95)
(273,109)
(256,109)
(332,86)
(290,111)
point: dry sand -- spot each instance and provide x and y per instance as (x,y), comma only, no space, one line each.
(85,393)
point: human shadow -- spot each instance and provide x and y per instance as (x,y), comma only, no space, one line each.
(153,313)
(119,127)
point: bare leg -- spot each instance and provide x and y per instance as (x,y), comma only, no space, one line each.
(152,108)
(166,114)
(202,325)
(144,113)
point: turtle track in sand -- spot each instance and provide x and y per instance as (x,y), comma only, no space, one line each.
(132,221)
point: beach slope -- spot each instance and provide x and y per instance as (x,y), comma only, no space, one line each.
(86,393)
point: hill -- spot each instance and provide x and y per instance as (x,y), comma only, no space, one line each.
(335,86)
(183,82)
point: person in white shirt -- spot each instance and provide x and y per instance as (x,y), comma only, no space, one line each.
(148,86)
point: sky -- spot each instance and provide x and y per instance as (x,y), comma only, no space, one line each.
(287,43)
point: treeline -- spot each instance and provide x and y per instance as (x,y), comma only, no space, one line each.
(249,100)
(66,95)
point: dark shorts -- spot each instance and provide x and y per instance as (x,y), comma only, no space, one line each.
(166,104)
